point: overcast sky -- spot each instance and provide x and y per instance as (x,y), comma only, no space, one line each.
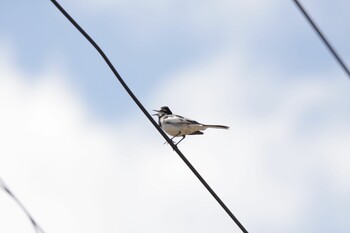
(82,157)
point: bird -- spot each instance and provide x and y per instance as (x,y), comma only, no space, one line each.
(177,126)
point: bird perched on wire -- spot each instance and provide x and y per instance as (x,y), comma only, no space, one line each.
(179,126)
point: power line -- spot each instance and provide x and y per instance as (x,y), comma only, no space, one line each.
(131,94)
(323,38)
(35,224)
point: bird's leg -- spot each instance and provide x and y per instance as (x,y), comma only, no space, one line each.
(183,137)
(172,138)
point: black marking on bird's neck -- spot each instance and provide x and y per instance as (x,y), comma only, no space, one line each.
(159,122)
(163,112)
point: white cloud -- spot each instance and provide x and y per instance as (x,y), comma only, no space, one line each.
(284,158)
(285,141)
(49,146)
(75,173)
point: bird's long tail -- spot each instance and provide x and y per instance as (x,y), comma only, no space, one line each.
(216,126)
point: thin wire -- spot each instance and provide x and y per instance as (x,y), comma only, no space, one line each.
(35,224)
(323,38)
(93,43)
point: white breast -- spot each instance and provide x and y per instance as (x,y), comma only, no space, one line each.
(176,126)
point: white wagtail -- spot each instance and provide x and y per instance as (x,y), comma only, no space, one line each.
(178,126)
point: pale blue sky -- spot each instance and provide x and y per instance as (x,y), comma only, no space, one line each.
(146,41)
(83,158)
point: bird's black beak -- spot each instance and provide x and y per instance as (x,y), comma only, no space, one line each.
(156,114)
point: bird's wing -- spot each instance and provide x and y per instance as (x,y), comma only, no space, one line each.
(176,119)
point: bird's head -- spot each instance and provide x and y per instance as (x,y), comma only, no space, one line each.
(163,111)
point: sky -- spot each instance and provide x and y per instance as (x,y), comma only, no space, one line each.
(81,156)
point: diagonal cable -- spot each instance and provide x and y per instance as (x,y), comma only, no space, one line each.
(99,50)
(36,226)
(323,38)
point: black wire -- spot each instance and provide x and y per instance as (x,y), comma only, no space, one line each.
(76,25)
(36,226)
(323,38)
